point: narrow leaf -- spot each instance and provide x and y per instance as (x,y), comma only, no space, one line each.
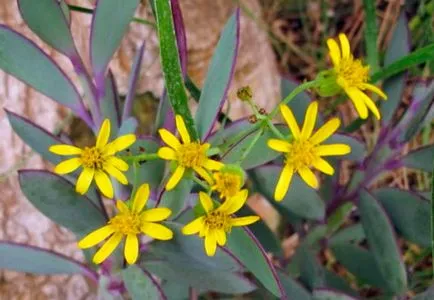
(175,199)
(358,148)
(219,77)
(382,242)
(110,103)
(292,288)
(371,33)
(140,284)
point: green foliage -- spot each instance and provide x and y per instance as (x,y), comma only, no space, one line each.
(139,284)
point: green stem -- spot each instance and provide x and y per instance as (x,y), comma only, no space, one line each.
(251,145)
(139,158)
(90,11)
(432,217)
(276,131)
(136,181)
(201,183)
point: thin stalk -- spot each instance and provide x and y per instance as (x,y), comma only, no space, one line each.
(251,145)
(275,130)
(201,183)
(139,158)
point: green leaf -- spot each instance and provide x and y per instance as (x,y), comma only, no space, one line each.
(292,288)
(415,58)
(22,59)
(109,24)
(353,233)
(409,212)
(311,271)
(128,126)
(132,82)
(176,199)
(219,77)
(140,285)
(326,294)
(399,45)
(66,11)
(47,20)
(371,33)
(30,259)
(176,290)
(365,267)
(147,171)
(57,199)
(109,104)
(300,199)
(358,149)
(427,295)
(382,242)
(171,66)
(393,87)
(244,246)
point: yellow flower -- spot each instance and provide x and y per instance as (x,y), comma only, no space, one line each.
(97,161)
(129,223)
(228,181)
(352,76)
(217,222)
(304,151)
(187,154)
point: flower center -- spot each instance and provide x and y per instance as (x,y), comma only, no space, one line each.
(126,223)
(228,184)
(352,73)
(301,154)
(92,158)
(218,221)
(191,155)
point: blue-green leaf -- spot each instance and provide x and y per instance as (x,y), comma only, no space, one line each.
(47,20)
(419,158)
(300,199)
(353,233)
(21,58)
(109,24)
(109,104)
(30,259)
(358,149)
(409,212)
(382,243)
(328,294)
(140,285)
(292,288)
(57,199)
(427,295)
(176,199)
(219,76)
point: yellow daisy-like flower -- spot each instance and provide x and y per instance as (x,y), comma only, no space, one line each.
(97,161)
(352,76)
(303,151)
(188,154)
(129,223)
(217,222)
(228,181)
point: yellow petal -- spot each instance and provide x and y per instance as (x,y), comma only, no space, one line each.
(194,226)
(204,174)
(180,125)
(118,163)
(121,143)
(169,138)
(84,180)
(131,249)
(141,198)
(65,150)
(375,89)
(359,104)
(104,134)
(175,178)
(116,174)
(335,52)
(309,177)
(323,166)
(206,202)
(122,207)
(107,248)
(156,214)
(279,145)
(243,221)
(325,131)
(345,46)
(220,237)
(104,184)
(68,166)
(309,120)
(332,149)
(370,104)
(211,164)
(166,153)
(283,183)
(290,120)
(234,203)
(95,237)
(156,231)
(210,243)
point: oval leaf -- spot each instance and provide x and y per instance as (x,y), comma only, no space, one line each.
(140,285)
(109,24)
(300,199)
(46,18)
(382,242)
(219,77)
(30,259)
(21,58)
(358,148)
(409,212)
(418,159)
(57,199)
